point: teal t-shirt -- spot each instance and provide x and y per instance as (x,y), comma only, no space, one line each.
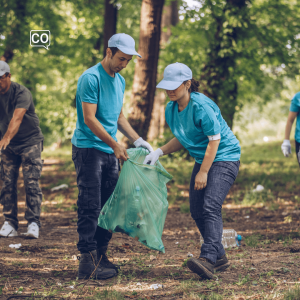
(96,86)
(200,119)
(295,107)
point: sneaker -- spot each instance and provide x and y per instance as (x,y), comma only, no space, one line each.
(88,267)
(104,260)
(221,264)
(32,231)
(7,230)
(201,266)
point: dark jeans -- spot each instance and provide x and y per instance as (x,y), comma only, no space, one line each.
(97,176)
(206,205)
(298,152)
(11,160)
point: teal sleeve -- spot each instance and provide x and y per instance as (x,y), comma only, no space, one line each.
(295,104)
(208,121)
(88,91)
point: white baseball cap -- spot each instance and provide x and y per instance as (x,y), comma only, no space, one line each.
(124,43)
(174,76)
(4,68)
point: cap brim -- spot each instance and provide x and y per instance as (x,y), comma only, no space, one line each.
(2,73)
(169,85)
(129,51)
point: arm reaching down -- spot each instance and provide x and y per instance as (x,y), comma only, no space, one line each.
(210,154)
(286,145)
(129,132)
(89,112)
(13,127)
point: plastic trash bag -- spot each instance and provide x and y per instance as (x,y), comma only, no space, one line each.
(138,206)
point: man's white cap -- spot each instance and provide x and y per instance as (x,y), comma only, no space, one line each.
(124,43)
(4,68)
(174,76)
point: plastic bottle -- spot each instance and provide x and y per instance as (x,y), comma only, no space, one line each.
(229,238)
(134,214)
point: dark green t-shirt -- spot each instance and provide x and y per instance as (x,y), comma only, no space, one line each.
(29,133)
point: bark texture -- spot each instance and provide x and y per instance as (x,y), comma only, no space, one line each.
(170,18)
(110,22)
(144,83)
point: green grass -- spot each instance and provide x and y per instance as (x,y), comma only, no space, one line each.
(260,164)
(292,294)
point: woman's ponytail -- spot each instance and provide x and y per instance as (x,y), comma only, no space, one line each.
(194,85)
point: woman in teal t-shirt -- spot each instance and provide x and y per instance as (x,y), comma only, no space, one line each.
(294,112)
(198,126)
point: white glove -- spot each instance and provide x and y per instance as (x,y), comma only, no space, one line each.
(141,143)
(286,148)
(153,157)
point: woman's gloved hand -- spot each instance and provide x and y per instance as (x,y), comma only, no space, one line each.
(286,148)
(153,157)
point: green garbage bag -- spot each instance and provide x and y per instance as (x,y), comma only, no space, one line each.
(138,206)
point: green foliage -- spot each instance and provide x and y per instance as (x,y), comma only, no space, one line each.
(237,51)
(243,53)
(252,240)
(292,294)
(108,294)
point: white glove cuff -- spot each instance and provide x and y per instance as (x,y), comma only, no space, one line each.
(214,137)
(286,143)
(138,142)
(160,152)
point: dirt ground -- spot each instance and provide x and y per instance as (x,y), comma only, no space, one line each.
(264,267)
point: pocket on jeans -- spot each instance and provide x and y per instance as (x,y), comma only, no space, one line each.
(89,197)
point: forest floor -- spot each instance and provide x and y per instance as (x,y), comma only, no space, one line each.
(266,266)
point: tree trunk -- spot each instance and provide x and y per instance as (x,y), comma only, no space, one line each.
(169,18)
(218,80)
(144,82)
(110,22)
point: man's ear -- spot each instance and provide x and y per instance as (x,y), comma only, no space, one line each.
(108,53)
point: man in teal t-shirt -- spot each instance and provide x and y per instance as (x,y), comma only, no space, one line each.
(294,112)
(96,152)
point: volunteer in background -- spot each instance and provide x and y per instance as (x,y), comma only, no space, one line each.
(21,144)
(293,113)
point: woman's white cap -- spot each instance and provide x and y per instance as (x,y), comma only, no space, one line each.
(174,76)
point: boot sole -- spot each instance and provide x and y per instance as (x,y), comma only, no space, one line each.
(29,236)
(222,267)
(98,277)
(199,269)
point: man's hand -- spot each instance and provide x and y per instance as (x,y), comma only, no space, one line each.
(141,143)
(4,143)
(153,157)
(120,152)
(286,148)
(200,181)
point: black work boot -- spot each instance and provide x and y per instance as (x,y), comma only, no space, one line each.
(201,266)
(221,264)
(104,260)
(88,264)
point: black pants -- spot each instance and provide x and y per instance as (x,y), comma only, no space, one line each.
(97,176)
(298,152)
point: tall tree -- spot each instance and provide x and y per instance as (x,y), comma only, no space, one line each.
(170,18)
(144,83)
(110,22)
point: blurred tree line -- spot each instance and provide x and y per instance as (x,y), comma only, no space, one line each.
(239,50)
